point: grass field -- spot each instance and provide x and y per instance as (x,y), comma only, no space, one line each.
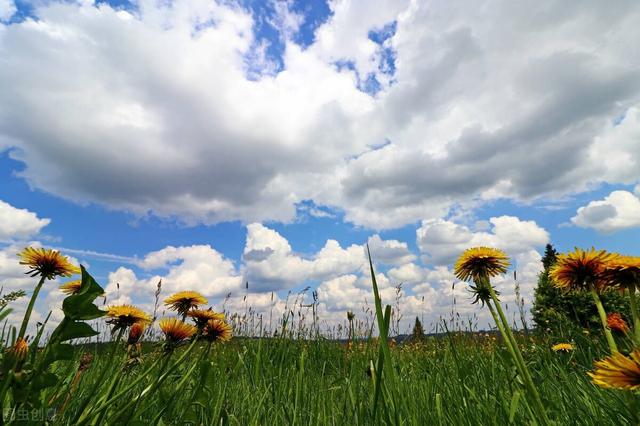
(186,368)
(457,379)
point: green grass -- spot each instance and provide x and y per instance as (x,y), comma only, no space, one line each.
(456,380)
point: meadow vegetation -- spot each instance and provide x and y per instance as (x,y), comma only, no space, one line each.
(188,369)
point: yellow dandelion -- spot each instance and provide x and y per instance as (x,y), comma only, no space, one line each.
(72,287)
(123,316)
(562,347)
(217,331)
(618,371)
(622,271)
(15,356)
(580,269)
(47,263)
(201,316)
(183,301)
(175,330)
(135,332)
(481,262)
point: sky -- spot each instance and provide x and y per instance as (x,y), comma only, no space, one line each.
(214,144)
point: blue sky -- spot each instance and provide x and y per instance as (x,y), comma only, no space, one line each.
(163,138)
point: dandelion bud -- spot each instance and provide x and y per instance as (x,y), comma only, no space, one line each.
(135,333)
(616,323)
(16,355)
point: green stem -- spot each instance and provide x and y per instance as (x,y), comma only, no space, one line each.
(526,375)
(603,319)
(634,314)
(27,314)
(503,333)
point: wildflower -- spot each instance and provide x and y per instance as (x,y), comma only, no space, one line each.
(618,371)
(581,269)
(217,330)
(16,355)
(183,301)
(201,316)
(622,271)
(175,331)
(72,287)
(481,262)
(562,347)
(47,263)
(123,316)
(617,323)
(135,332)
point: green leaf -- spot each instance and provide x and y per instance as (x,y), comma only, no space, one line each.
(75,330)
(5,313)
(60,352)
(43,381)
(515,399)
(80,306)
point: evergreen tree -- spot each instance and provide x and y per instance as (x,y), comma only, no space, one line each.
(418,330)
(550,257)
(560,312)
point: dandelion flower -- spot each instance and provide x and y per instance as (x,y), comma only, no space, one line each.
(622,271)
(618,371)
(123,316)
(72,287)
(580,269)
(175,331)
(217,331)
(18,352)
(616,323)
(135,332)
(183,301)
(47,263)
(562,347)
(481,262)
(201,316)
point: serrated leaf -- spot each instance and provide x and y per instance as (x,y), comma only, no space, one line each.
(80,306)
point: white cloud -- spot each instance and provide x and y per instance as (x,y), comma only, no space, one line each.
(270,263)
(19,223)
(390,252)
(165,120)
(617,211)
(7,9)
(442,241)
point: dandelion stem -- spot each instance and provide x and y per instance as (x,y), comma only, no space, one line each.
(603,319)
(526,376)
(32,302)
(634,313)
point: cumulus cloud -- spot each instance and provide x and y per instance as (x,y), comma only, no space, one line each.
(481,102)
(7,9)
(617,211)
(390,252)
(441,241)
(19,223)
(270,263)
(339,278)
